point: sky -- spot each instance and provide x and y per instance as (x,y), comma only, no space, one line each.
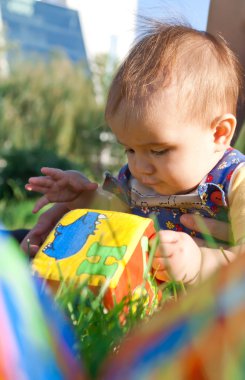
(193,11)
(109,25)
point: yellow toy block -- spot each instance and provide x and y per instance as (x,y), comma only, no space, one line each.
(99,247)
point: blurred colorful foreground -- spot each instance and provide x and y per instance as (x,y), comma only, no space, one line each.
(36,342)
(200,337)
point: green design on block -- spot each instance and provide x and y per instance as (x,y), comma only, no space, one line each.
(100,267)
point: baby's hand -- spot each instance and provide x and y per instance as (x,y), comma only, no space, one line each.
(177,257)
(213,227)
(59,186)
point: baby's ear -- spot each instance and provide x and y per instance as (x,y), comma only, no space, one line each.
(223,129)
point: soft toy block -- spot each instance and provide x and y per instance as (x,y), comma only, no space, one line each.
(101,248)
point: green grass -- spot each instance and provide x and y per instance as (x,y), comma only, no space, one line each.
(17,214)
(99,331)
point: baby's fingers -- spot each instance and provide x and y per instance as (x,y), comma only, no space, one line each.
(199,242)
(159,264)
(56,174)
(162,276)
(39,184)
(160,269)
(218,229)
(43,201)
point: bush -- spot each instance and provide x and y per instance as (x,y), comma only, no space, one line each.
(17,165)
(15,215)
(52,105)
(240,143)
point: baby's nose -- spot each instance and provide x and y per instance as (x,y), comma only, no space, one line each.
(143,166)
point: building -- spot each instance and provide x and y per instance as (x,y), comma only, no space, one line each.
(228,18)
(39,29)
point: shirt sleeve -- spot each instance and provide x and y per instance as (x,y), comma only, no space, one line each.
(236,200)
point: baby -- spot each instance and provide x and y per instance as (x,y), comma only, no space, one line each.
(172,106)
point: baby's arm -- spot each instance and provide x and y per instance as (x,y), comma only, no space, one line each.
(179,256)
(46,222)
(222,230)
(213,258)
(216,228)
(184,260)
(236,199)
(74,190)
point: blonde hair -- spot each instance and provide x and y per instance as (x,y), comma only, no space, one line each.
(206,72)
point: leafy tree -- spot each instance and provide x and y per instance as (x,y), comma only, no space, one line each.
(51,105)
(103,68)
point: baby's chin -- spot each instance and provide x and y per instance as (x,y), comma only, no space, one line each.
(166,190)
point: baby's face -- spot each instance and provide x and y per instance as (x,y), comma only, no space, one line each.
(165,152)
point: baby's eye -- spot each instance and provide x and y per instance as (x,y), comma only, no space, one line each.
(129,151)
(159,152)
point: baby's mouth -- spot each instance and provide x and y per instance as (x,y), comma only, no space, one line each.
(148,181)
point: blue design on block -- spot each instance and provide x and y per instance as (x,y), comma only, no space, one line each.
(70,238)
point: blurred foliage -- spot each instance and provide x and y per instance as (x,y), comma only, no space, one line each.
(50,116)
(17,165)
(240,143)
(52,105)
(100,331)
(17,214)
(103,65)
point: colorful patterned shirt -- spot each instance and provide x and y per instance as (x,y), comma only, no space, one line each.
(209,200)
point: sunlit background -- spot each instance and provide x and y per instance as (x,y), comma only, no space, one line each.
(57,59)
(84,28)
